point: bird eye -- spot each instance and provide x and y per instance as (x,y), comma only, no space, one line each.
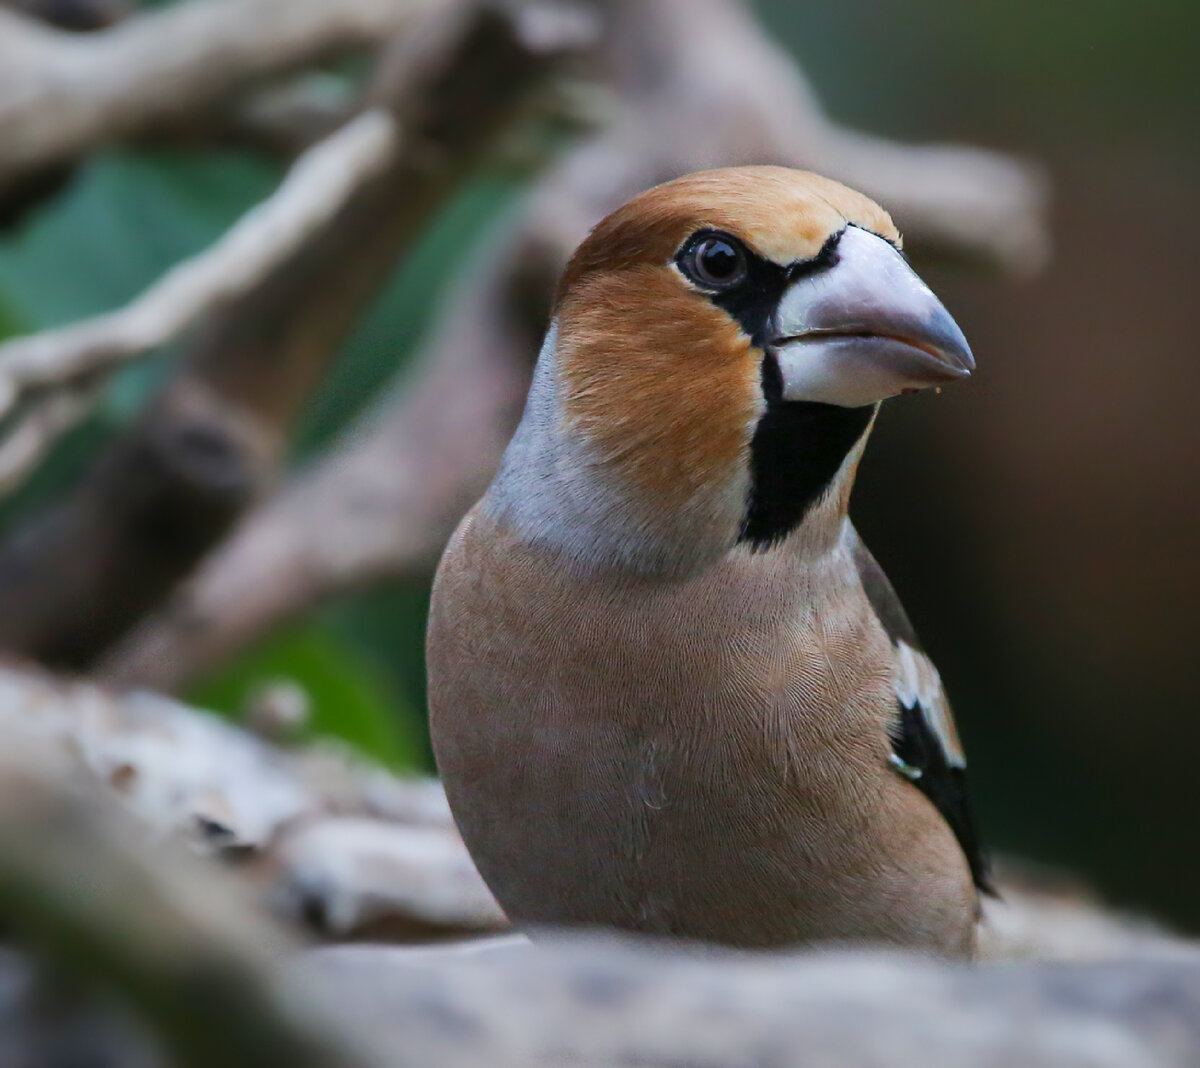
(715,262)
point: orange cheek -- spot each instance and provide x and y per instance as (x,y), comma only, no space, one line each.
(662,384)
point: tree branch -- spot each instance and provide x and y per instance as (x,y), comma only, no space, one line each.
(388,495)
(612,1001)
(80,16)
(757,106)
(62,95)
(32,433)
(182,946)
(73,579)
(316,189)
(331,842)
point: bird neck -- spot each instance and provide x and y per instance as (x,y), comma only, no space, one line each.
(556,494)
(803,453)
(825,513)
(555,491)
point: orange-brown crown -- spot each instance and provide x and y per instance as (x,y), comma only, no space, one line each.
(783,214)
(661,383)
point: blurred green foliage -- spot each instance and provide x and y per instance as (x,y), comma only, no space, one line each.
(124,219)
(352,697)
(121,222)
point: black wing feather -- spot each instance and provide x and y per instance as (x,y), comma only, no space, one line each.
(915,743)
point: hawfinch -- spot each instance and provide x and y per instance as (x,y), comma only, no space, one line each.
(671,690)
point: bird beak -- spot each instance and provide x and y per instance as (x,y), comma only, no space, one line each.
(864,329)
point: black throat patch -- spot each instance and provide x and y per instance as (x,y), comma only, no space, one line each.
(797,449)
(798,446)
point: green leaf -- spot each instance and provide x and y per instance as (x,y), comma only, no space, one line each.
(126,219)
(10,323)
(387,625)
(349,697)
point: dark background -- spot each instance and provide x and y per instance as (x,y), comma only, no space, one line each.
(1041,523)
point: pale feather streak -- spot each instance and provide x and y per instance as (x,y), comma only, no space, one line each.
(918,685)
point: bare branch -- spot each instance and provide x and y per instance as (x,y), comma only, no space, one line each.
(383,502)
(181,944)
(62,95)
(333,842)
(756,106)
(81,16)
(287,118)
(609,1001)
(316,189)
(35,431)
(369,879)
(211,439)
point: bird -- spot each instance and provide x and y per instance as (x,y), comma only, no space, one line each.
(671,691)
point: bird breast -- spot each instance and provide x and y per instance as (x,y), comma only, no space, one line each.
(702,757)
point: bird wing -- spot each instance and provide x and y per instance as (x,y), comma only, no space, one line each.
(925,746)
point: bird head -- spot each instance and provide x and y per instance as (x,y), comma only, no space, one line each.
(719,348)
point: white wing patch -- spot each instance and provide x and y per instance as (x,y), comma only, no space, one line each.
(919,686)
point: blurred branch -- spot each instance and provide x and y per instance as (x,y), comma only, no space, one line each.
(605,1000)
(757,106)
(34,186)
(62,95)
(178,943)
(81,16)
(381,502)
(385,500)
(315,190)
(210,440)
(33,433)
(287,118)
(214,981)
(333,843)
